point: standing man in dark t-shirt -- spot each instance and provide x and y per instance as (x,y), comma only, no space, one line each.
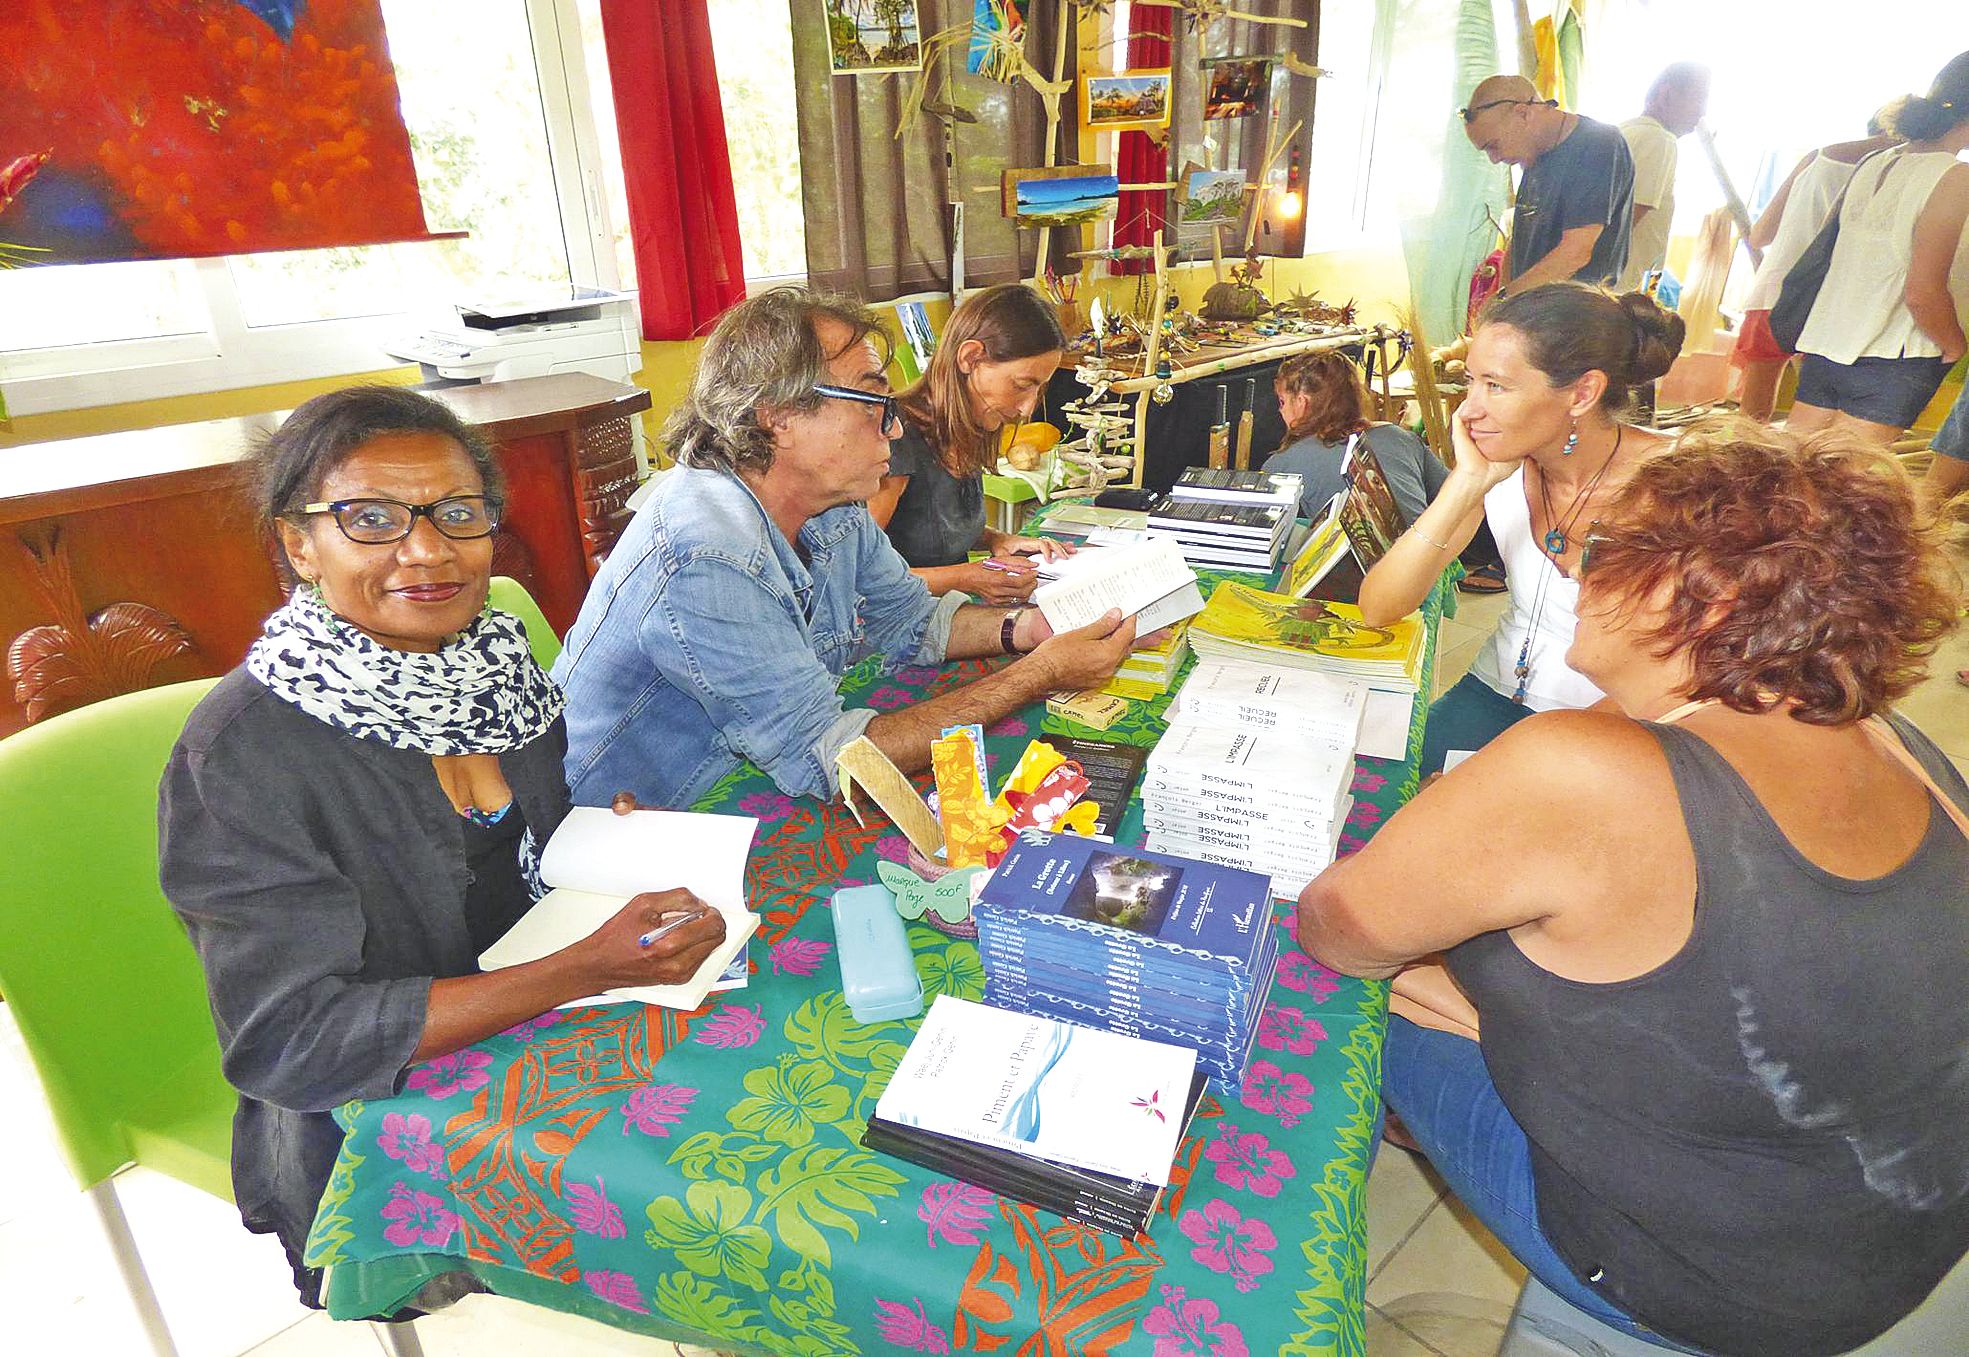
(1576,198)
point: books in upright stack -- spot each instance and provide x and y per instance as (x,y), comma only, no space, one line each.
(1148,944)
(1077,1121)
(1266,800)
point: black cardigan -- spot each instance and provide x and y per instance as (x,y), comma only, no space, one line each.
(323,880)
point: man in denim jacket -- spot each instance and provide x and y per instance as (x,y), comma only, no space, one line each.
(720,625)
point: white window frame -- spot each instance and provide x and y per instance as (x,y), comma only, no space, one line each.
(230,354)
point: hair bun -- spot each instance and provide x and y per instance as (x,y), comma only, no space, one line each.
(1658,336)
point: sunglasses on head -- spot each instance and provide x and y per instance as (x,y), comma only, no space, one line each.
(1470,113)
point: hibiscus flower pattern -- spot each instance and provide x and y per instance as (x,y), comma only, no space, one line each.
(766,806)
(1010,727)
(798,956)
(1289,1029)
(1227,1242)
(1186,1326)
(408,1138)
(1298,971)
(1285,1094)
(1246,1159)
(460,1072)
(417,1217)
(888,698)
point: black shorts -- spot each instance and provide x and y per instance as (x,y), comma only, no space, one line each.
(1890,391)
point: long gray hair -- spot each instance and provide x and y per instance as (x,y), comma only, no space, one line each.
(764,355)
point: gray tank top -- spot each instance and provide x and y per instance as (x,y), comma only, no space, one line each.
(1761,1146)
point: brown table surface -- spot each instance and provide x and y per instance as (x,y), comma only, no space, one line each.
(71,474)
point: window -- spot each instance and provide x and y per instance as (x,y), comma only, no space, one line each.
(497,109)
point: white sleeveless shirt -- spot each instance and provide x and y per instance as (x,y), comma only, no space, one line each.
(1813,193)
(1552,685)
(1861,310)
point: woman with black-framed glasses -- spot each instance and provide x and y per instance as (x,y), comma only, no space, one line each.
(349,818)
(998,351)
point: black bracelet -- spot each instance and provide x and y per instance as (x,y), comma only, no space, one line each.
(1006,628)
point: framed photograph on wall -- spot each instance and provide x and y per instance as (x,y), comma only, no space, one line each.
(1234,87)
(864,38)
(1133,99)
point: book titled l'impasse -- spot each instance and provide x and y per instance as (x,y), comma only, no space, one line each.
(597,861)
(1045,1088)
(1131,898)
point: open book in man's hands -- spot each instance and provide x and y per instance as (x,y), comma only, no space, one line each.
(598,860)
(1147,580)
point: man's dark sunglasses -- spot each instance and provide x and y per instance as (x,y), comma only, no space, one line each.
(1470,113)
(891,416)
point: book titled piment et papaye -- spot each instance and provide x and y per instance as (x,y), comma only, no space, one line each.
(1044,1088)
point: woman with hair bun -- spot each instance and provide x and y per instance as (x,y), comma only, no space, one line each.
(1540,444)
(1712,958)
(1887,326)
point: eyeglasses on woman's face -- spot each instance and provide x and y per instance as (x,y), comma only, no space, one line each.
(891,416)
(379,522)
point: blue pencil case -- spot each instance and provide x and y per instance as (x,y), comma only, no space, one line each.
(878,969)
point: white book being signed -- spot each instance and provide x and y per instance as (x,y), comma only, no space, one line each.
(598,860)
(1096,1100)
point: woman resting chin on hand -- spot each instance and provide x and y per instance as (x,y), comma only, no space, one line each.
(352,816)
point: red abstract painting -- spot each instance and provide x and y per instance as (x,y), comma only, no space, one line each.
(179,129)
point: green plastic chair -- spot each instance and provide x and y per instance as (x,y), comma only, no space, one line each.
(97,971)
(510,596)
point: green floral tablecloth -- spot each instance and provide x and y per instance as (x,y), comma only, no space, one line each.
(699,1176)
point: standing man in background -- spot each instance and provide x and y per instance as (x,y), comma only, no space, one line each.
(1576,199)
(1675,105)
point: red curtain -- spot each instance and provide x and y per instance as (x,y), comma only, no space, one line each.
(683,220)
(1139,159)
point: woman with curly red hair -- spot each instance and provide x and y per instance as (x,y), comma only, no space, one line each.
(1717,1090)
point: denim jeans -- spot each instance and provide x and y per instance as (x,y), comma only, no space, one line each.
(1438,1084)
(1469,716)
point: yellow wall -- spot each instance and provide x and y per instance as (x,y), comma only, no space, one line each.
(1375,279)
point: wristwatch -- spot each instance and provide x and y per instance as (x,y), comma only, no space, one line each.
(1007,628)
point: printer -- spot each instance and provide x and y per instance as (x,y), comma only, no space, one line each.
(590,330)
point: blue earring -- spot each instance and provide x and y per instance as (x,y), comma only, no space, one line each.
(1572,442)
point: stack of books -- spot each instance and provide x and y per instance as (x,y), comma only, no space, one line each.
(1077,1121)
(1242,623)
(1147,944)
(1112,770)
(1226,486)
(1254,770)
(1148,673)
(1223,536)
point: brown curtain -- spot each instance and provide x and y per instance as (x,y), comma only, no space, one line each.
(1239,143)
(877,224)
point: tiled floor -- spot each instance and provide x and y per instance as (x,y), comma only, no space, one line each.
(1438,1284)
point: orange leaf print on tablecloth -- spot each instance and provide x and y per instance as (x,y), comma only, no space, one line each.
(1087,1289)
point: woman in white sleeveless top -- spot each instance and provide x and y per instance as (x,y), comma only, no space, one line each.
(1887,325)
(1788,223)
(1540,444)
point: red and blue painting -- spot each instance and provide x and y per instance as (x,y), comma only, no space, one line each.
(175,129)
